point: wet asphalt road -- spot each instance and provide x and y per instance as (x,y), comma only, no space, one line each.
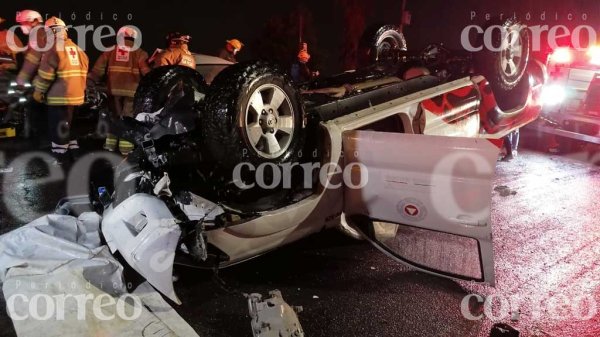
(546,241)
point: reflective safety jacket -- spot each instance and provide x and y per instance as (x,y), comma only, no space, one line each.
(123,69)
(33,55)
(177,55)
(62,74)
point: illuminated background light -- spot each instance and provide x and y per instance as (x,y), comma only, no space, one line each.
(562,55)
(594,54)
(553,94)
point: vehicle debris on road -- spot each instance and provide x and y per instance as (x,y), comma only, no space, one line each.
(274,317)
(67,253)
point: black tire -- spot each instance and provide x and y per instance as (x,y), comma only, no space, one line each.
(154,88)
(513,98)
(228,115)
(505,69)
(381,44)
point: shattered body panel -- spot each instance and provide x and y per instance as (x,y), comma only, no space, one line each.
(273,317)
(146,234)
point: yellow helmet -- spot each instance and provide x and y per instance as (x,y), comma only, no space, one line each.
(236,44)
(55,22)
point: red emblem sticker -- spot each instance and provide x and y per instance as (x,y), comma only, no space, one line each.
(122,55)
(411,210)
(73,55)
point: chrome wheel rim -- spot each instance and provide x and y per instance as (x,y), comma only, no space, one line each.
(269,121)
(512,55)
(385,51)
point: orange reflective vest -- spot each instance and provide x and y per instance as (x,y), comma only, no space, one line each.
(33,55)
(123,68)
(178,55)
(62,74)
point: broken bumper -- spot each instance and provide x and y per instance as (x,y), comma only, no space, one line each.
(146,233)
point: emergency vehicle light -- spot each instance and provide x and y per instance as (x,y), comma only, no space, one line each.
(594,55)
(562,55)
(553,94)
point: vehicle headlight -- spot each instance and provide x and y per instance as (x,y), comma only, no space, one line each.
(562,55)
(13,84)
(594,55)
(553,94)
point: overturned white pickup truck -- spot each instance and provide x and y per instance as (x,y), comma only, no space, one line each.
(402,152)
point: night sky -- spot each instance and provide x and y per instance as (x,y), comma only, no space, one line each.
(212,22)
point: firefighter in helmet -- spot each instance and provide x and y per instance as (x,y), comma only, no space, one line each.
(32,25)
(231,49)
(60,84)
(123,68)
(300,71)
(177,52)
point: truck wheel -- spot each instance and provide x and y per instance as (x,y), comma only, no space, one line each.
(381,44)
(505,66)
(155,88)
(252,114)
(514,98)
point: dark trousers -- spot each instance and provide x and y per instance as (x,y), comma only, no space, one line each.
(60,118)
(37,121)
(511,142)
